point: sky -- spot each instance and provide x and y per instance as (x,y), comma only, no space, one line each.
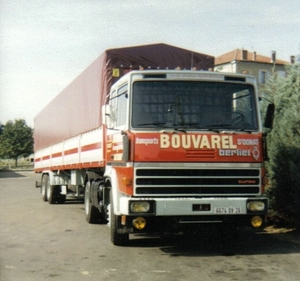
(45,44)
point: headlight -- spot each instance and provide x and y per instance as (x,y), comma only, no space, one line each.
(254,206)
(140,207)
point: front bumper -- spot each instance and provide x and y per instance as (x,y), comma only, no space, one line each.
(194,206)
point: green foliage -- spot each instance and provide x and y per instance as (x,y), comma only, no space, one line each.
(284,144)
(1,129)
(16,140)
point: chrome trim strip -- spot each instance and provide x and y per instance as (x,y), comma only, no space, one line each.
(196,165)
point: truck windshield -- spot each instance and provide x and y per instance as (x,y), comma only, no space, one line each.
(194,105)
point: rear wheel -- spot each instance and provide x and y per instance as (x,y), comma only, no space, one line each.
(44,187)
(61,199)
(52,193)
(92,214)
(118,239)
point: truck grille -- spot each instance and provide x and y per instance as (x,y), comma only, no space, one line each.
(197,182)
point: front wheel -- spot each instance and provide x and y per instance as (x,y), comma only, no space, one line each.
(118,239)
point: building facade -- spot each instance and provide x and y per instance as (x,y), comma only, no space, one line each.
(242,61)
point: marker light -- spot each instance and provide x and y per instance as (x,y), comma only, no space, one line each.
(139,223)
(127,181)
(255,206)
(140,207)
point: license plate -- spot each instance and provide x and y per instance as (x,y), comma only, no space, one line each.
(228,210)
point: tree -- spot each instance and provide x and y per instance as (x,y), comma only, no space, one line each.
(16,140)
(284,143)
(1,129)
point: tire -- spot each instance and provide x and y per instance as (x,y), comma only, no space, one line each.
(44,187)
(92,214)
(52,194)
(103,209)
(61,199)
(116,238)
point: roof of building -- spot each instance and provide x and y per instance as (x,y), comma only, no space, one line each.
(244,55)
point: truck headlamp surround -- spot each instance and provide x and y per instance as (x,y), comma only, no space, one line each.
(256,206)
(140,207)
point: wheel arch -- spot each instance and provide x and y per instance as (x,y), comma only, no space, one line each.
(111,183)
(90,175)
(45,172)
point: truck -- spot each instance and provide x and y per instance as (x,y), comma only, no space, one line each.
(155,142)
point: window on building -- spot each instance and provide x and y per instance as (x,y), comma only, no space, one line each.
(263,76)
(281,73)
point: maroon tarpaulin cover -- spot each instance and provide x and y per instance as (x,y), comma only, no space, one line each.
(77,108)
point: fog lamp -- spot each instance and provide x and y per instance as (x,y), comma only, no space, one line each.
(139,223)
(140,207)
(255,206)
(256,221)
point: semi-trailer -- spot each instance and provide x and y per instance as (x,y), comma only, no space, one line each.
(155,142)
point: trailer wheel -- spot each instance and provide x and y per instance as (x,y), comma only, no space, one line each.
(52,194)
(61,199)
(44,187)
(117,239)
(92,214)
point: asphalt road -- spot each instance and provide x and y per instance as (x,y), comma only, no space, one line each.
(39,241)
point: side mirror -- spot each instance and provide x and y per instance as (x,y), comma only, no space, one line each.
(270,116)
(108,115)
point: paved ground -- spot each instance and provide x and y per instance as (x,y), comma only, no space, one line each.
(39,241)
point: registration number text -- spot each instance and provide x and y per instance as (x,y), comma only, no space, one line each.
(228,210)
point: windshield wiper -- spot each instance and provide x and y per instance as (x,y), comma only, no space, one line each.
(216,126)
(151,124)
(179,129)
(243,130)
(221,127)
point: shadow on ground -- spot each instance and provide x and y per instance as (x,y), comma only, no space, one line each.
(10,174)
(247,243)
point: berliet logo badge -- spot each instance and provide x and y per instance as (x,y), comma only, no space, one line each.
(255,153)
